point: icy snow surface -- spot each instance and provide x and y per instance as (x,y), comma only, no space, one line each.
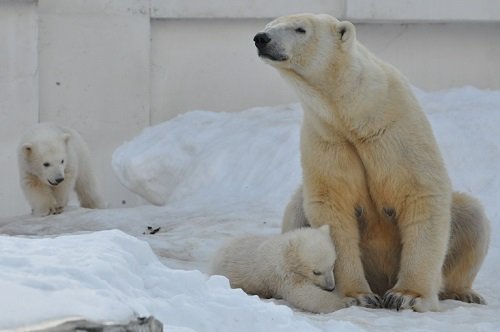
(218,175)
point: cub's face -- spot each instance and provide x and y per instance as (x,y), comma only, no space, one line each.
(319,261)
(47,160)
(314,257)
(303,43)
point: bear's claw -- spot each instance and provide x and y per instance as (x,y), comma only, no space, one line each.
(398,301)
(469,296)
(369,301)
(56,210)
(406,299)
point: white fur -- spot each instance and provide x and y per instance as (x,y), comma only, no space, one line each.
(296,266)
(49,153)
(366,147)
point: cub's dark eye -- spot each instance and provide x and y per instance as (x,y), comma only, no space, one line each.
(46,164)
(300,30)
(316,273)
(62,161)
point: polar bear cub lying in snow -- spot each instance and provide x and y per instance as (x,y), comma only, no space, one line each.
(296,266)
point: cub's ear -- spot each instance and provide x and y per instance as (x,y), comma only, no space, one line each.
(346,32)
(66,137)
(27,149)
(325,229)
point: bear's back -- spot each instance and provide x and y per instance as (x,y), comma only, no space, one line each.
(246,262)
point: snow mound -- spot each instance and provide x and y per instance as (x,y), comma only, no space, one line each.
(246,156)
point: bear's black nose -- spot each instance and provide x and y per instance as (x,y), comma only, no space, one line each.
(59,180)
(261,39)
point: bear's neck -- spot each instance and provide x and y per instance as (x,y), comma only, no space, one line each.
(345,93)
(330,85)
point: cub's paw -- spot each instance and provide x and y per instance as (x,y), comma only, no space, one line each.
(42,212)
(467,296)
(57,210)
(401,299)
(368,300)
(349,301)
(47,210)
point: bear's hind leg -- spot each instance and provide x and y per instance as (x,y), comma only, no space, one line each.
(294,216)
(470,233)
(86,189)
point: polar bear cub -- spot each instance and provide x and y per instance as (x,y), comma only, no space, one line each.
(296,266)
(54,160)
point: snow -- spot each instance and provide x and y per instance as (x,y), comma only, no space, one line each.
(214,176)
(209,156)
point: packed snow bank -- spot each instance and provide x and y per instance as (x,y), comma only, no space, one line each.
(110,274)
(215,159)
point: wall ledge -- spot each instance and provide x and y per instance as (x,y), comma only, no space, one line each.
(396,11)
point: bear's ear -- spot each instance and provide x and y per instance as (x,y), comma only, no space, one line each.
(325,229)
(66,137)
(27,148)
(346,32)
(292,244)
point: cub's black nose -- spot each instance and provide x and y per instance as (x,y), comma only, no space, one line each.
(261,39)
(59,180)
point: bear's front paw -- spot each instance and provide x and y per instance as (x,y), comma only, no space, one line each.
(47,211)
(41,212)
(349,301)
(467,296)
(401,299)
(57,210)
(369,300)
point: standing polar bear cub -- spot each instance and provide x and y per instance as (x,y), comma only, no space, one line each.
(296,266)
(54,160)
(373,172)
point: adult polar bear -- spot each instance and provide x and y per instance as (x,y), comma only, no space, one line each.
(373,171)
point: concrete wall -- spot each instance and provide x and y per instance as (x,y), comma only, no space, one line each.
(18,92)
(111,68)
(230,76)
(94,76)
